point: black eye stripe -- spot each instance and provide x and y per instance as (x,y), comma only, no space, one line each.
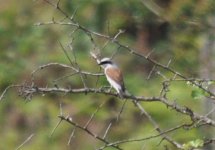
(106,62)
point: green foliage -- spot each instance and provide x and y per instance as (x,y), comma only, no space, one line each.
(197,94)
(24,47)
(198,143)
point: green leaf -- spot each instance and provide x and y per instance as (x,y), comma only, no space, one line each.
(193,144)
(197,94)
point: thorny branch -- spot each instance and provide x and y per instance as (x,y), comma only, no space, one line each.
(69,120)
(183,110)
(126,47)
(27,91)
(145,138)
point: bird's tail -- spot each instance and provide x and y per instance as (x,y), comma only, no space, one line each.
(124,92)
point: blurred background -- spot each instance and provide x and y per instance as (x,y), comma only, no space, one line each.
(181,31)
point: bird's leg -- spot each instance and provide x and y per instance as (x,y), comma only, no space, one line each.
(109,90)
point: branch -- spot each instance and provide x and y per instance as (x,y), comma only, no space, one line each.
(6,90)
(28,139)
(183,110)
(64,66)
(28,91)
(145,138)
(131,50)
(69,120)
(156,126)
(157,10)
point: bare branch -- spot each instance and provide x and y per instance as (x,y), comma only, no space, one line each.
(59,122)
(66,54)
(69,120)
(93,114)
(153,7)
(27,140)
(64,66)
(71,136)
(115,120)
(169,104)
(27,91)
(57,125)
(156,126)
(96,56)
(107,130)
(209,141)
(132,51)
(144,139)
(6,90)
(150,73)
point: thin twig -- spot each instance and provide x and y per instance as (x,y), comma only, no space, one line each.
(107,130)
(59,122)
(6,90)
(145,138)
(71,136)
(116,120)
(64,66)
(57,125)
(67,119)
(156,126)
(27,140)
(93,114)
(121,110)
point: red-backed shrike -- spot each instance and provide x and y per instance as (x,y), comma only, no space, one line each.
(113,75)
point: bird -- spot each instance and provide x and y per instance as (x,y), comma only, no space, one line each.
(114,75)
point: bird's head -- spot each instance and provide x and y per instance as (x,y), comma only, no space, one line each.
(105,62)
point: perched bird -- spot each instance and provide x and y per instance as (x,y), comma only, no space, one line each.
(113,75)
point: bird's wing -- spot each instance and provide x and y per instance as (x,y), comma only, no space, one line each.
(116,75)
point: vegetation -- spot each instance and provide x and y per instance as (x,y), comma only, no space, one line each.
(174,74)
